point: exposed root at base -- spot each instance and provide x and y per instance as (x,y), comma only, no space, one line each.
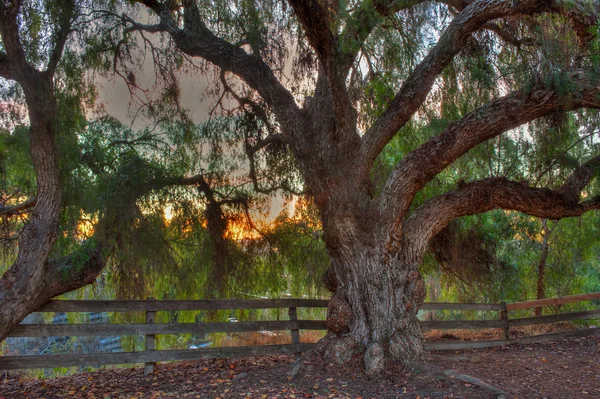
(313,363)
(344,350)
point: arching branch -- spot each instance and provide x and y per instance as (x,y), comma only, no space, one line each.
(486,122)
(508,37)
(76,270)
(17,208)
(9,30)
(415,89)
(197,40)
(64,30)
(500,193)
(362,22)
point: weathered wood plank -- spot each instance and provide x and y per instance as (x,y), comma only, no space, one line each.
(295,330)
(171,305)
(162,305)
(461,306)
(57,330)
(459,345)
(552,301)
(556,336)
(312,324)
(527,321)
(149,344)
(505,325)
(29,362)
(460,324)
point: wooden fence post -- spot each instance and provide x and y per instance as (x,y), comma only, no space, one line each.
(149,367)
(504,317)
(293,312)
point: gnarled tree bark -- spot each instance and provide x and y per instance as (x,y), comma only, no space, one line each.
(23,286)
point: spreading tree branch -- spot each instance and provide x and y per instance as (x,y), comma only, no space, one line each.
(362,22)
(338,52)
(314,19)
(197,40)
(508,37)
(76,270)
(66,19)
(579,179)
(500,193)
(9,30)
(415,89)
(10,210)
(486,122)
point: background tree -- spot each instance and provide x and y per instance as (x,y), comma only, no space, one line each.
(367,74)
(34,37)
(118,188)
(103,171)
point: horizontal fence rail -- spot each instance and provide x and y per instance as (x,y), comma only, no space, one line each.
(20,362)
(150,329)
(461,306)
(172,305)
(552,301)
(57,330)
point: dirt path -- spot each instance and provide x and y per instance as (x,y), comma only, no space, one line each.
(564,369)
(568,369)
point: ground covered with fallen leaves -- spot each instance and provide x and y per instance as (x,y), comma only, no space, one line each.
(566,369)
(563,369)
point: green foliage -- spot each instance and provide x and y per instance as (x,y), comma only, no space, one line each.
(122,186)
(17,182)
(121,182)
(17,171)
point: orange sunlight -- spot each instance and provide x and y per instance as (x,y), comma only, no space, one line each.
(240,230)
(85,226)
(168,214)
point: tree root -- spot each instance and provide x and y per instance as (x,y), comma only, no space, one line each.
(324,355)
(476,381)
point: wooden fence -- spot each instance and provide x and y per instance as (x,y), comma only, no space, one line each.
(150,329)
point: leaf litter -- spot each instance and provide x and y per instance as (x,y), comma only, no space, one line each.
(566,369)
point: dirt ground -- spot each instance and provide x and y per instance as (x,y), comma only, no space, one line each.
(566,369)
(563,369)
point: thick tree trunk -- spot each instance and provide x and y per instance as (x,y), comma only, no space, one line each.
(374,309)
(58,277)
(32,279)
(24,286)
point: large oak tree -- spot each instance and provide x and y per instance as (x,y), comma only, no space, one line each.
(377,236)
